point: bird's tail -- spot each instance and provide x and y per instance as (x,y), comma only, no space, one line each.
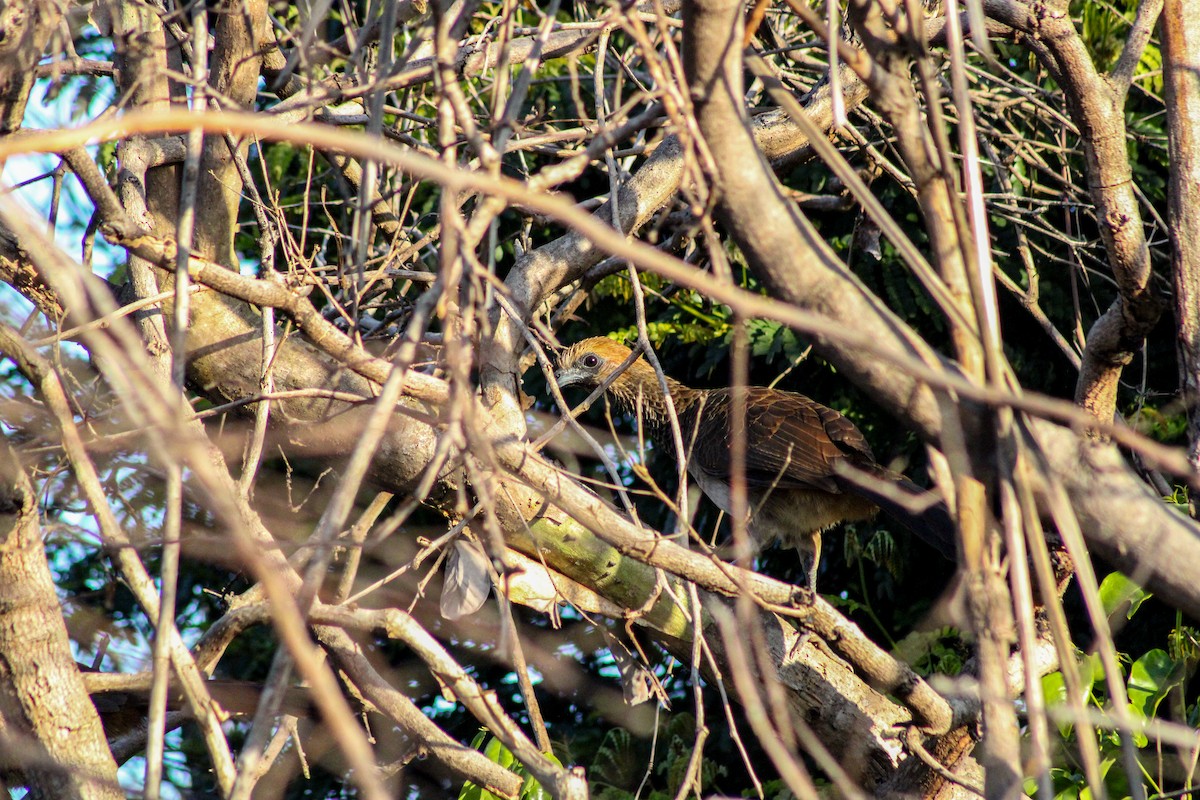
(921,511)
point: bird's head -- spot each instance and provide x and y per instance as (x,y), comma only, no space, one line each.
(590,362)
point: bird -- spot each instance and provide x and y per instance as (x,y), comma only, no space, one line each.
(800,455)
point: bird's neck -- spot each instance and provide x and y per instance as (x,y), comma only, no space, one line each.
(639,392)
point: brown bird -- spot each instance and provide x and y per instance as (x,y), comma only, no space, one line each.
(798,453)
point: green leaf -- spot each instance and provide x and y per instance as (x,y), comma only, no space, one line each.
(1105,765)
(498,753)
(1150,678)
(1091,670)
(532,790)
(1054,689)
(472,792)
(1140,739)
(1116,591)
(616,763)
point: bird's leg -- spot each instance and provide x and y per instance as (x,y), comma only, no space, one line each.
(814,556)
(798,645)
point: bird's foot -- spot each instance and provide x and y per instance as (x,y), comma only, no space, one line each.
(798,645)
(803,596)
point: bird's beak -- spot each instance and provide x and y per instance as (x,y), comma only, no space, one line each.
(568,377)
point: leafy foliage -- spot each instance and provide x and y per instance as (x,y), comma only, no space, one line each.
(497,753)
(1152,677)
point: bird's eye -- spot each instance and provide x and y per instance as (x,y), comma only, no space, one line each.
(591,361)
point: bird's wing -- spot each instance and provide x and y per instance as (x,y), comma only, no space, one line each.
(791,440)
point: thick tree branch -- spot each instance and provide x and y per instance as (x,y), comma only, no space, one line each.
(1097,107)
(779,242)
(1181,65)
(27,26)
(41,694)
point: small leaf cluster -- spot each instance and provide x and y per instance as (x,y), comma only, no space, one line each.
(497,753)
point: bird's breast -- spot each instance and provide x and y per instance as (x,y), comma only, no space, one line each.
(790,516)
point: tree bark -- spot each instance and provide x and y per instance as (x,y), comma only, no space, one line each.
(25,27)
(51,730)
(1181,68)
